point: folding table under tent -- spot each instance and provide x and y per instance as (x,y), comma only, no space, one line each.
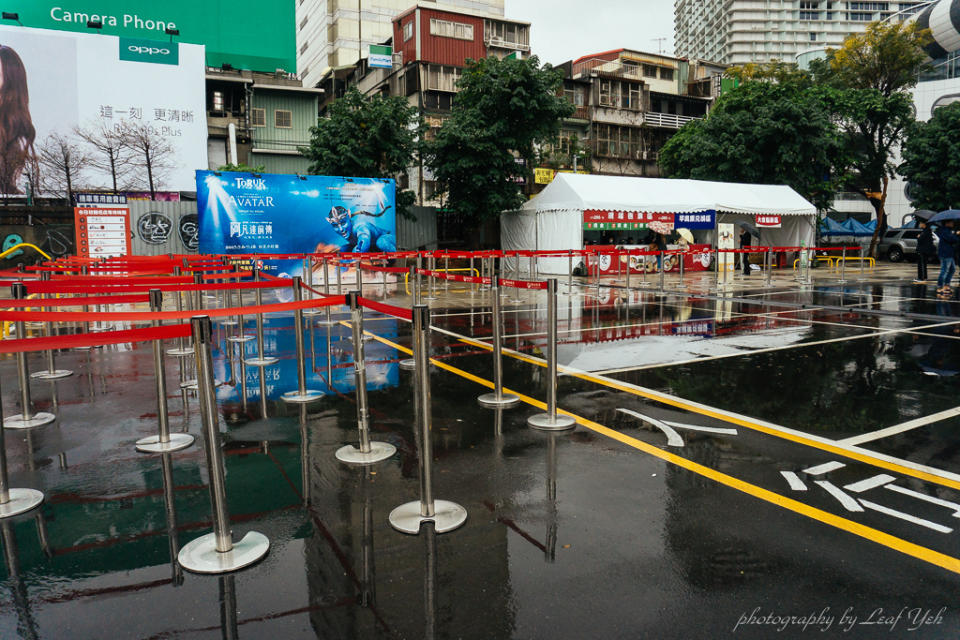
(554,219)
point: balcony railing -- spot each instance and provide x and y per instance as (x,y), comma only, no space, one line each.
(492,41)
(607,67)
(666,120)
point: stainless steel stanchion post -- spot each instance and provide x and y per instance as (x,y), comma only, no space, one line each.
(368,451)
(446,271)
(182,350)
(862,261)
(339,277)
(241,336)
(680,257)
(843,267)
(551,421)
(261,360)
(51,372)
(663,269)
(360,276)
(408,364)
(308,278)
(445,515)
(216,552)
(629,268)
(26,419)
(716,267)
(810,259)
(86,309)
(165,441)
(302,395)
(769,258)
(13,501)
(533,266)
(570,271)
(497,399)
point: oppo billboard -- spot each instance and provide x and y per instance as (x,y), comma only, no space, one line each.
(52,83)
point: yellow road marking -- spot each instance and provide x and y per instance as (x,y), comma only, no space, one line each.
(749,424)
(869,533)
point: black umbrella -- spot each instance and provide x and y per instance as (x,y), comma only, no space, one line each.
(749,228)
(923,214)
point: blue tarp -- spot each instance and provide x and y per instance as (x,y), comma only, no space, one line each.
(848,227)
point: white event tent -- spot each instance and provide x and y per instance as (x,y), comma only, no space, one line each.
(554,219)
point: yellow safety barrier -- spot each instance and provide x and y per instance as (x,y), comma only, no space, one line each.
(406,277)
(827,259)
(870,261)
(25,244)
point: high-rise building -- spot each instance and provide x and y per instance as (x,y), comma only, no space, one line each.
(742,31)
(334,33)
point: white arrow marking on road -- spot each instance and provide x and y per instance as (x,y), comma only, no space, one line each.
(794,480)
(694,427)
(905,516)
(849,503)
(870,483)
(826,467)
(923,496)
(673,438)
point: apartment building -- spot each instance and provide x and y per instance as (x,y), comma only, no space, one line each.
(741,31)
(335,33)
(628,104)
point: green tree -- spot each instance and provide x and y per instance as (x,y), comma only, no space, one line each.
(503,110)
(242,168)
(873,71)
(375,137)
(931,157)
(764,132)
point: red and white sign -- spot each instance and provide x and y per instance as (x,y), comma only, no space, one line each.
(768,221)
(595,215)
(102,233)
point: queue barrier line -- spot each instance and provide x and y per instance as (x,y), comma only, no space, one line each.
(76,302)
(56,287)
(882,538)
(24,345)
(138,316)
(388,309)
(114,280)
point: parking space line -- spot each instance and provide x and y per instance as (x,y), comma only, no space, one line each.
(902,427)
(863,531)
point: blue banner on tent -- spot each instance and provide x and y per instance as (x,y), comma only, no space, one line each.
(699,220)
(272,213)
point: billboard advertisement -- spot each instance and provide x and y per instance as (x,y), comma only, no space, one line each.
(52,83)
(248,34)
(270,213)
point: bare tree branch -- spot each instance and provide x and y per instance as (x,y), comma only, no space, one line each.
(109,152)
(151,151)
(62,163)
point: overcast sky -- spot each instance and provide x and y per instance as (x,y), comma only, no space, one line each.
(564,30)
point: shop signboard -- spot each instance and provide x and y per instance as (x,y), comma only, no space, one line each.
(697,220)
(624,220)
(102,233)
(768,221)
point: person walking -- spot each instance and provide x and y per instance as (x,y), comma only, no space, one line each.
(925,251)
(746,241)
(948,240)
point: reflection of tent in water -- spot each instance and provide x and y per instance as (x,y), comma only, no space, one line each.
(660,349)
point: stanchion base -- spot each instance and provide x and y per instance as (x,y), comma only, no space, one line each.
(295,397)
(21,501)
(379,451)
(261,362)
(428,297)
(37,420)
(240,338)
(408,364)
(180,353)
(447,516)
(152,444)
(544,422)
(494,401)
(56,374)
(312,312)
(201,555)
(228,323)
(191,385)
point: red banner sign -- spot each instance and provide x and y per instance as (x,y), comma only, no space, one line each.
(768,220)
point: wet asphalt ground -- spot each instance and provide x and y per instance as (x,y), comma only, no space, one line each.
(756,462)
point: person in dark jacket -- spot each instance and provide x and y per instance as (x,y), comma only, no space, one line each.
(948,241)
(745,243)
(925,250)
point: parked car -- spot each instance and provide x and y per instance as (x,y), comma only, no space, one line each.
(900,244)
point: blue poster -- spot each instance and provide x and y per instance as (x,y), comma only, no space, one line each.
(272,213)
